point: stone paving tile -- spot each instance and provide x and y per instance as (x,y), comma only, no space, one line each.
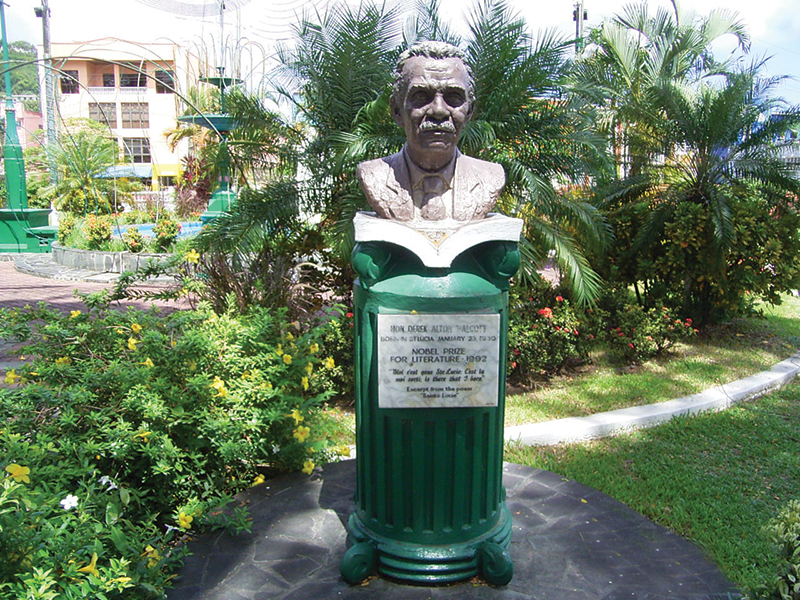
(562,549)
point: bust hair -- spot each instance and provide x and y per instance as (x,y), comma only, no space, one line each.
(430,49)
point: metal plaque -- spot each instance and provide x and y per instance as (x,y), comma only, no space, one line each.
(438,361)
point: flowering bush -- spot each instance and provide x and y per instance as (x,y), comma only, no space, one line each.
(66,225)
(337,346)
(545,334)
(642,334)
(166,232)
(97,231)
(129,430)
(133,239)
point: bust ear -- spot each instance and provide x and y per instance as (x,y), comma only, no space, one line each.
(397,112)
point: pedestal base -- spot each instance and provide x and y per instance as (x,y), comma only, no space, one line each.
(486,556)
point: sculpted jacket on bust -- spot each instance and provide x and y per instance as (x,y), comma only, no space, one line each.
(387,183)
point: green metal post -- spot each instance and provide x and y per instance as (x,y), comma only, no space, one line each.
(13,162)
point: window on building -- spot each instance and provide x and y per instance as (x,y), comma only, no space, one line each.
(135,115)
(103,112)
(165,82)
(137,149)
(132,76)
(69,82)
(109,80)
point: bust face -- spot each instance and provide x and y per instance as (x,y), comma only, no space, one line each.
(433,110)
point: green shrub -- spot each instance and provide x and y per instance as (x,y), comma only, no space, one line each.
(641,334)
(97,231)
(165,232)
(133,239)
(133,429)
(680,271)
(786,534)
(545,334)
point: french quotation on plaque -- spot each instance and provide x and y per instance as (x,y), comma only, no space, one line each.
(438,361)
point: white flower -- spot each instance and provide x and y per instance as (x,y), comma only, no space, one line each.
(69,502)
(106,480)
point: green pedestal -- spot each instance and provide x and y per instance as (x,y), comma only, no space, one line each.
(429,496)
(25,230)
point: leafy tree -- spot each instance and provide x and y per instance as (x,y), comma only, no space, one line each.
(24,77)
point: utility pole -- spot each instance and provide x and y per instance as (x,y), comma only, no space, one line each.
(51,134)
(579,15)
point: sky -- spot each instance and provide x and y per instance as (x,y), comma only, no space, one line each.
(774,25)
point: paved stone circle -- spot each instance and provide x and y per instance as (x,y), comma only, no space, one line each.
(570,542)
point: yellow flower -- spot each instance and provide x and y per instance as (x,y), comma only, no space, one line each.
(344,450)
(132,344)
(91,567)
(301,433)
(185,521)
(314,348)
(287,358)
(308,466)
(259,479)
(64,360)
(20,474)
(289,336)
(247,375)
(11,377)
(153,556)
(309,368)
(218,383)
(192,256)
(279,350)
(74,314)
(222,393)
(122,580)
(173,343)
(136,328)
(328,363)
(148,363)
(144,435)
(297,416)
(305,383)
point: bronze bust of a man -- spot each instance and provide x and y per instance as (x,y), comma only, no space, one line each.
(429,179)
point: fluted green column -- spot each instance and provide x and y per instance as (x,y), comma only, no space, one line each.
(429,495)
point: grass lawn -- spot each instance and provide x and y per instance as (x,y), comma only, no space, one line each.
(718,479)
(719,355)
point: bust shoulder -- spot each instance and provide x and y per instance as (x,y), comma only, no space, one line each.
(489,173)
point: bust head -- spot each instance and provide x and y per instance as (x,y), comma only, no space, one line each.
(431,101)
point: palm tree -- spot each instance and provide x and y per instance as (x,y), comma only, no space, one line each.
(338,77)
(635,53)
(86,150)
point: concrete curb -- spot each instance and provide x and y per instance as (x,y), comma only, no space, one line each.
(44,265)
(576,429)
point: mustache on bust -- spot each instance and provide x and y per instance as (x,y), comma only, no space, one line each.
(444,126)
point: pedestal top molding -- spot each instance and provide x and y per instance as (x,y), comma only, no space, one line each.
(437,243)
